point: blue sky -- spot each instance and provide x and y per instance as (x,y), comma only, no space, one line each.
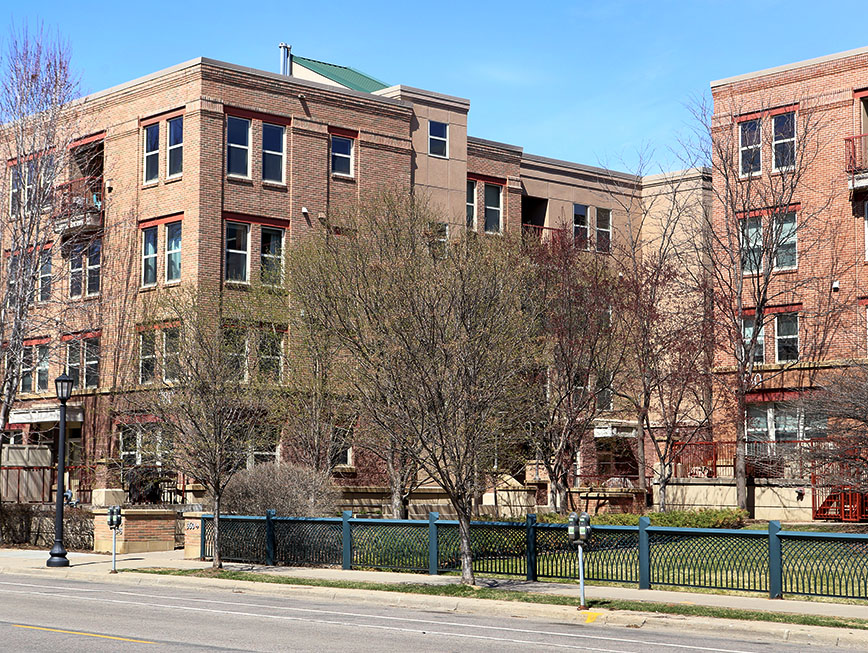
(593,82)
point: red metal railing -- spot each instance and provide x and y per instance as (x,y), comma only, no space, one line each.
(856,153)
(540,234)
(763,459)
(77,199)
(21,484)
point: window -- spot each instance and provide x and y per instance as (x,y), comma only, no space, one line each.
(140,443)
(344,456)
(271,355)
(271,257)
(784,141)
(785,236)
(603,239)
(91,362)
(45,276)
(149,256)
(580,226)
(775,422)
(342,156)
(787,337)
(438,139)
(748,325)
(171,353)
(439,244)
(235,351)
(152,153)
(492,208)
(471,210)
(757,423)
(752,245)
(238,146)
(22,193)
(173,252)
(237,251)
(604,391)
(272,153)
(73,361)
(750,147)
(175,161)
(34,368)
(84,269)
(147,356)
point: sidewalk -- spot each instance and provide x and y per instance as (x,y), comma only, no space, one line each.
(92,566)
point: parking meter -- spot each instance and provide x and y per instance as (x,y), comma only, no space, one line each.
(579,534)
(114,522)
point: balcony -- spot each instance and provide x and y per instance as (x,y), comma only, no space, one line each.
(856,160)
(78,205)
(538,234)
(787,459)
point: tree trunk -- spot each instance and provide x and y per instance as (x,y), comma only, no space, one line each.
(464,544)
(397,493)
(740,463)
(559,493)
(218,561)
(640,453)
(664,481)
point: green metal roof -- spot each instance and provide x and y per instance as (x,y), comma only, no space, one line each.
(343,75)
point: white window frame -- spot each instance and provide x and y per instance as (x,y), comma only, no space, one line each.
(90,266)
(167,354)
(227,251)
(779,235)
(246,148)
(498,208)
(146,154)
(760,340)
(778,338)
(279,357)
(244,356)
(580,226)
(865,216)
(73,369)
(170,252)
(598,230)
(170,148)
(471,208)
(38,363)
(775,141)
(151,335)
(279,154)
(28,367)
(350,156)
(76,266)
(90,362)
(279,258)
(44,290)
(750,246)
(742,147)
(147,257)
(439,139)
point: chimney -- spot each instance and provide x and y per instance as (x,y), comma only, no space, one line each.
(285,59)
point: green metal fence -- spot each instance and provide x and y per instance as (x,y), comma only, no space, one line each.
(773,561)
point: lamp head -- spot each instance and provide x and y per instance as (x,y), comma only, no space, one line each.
(63,384)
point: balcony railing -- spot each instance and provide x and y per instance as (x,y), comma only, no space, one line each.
(763,459)
(37,484)
(541,234)
(78,205)
(856,154)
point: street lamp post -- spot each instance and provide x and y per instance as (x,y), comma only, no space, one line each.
(63,384)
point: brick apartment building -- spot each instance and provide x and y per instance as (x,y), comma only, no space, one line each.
(203,174)
(790,176)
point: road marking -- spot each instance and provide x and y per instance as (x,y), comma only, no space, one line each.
(78,632)
(523,631)
(592,617)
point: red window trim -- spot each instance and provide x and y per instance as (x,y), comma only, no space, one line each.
(771,310)
(159,117)
(767,113)
(84,140)
(11,163)
(81,335)
(40,340)
(766,396)
(281,223)
(863,301)
(795,207)
(860,93)
(135,419)
(14,427)
(286,121)
(156,327)
(152,222)
(487,179)
(47,245)
(341,131)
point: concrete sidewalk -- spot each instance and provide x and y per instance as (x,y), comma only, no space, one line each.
(92,566)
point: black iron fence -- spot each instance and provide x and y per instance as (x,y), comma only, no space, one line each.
(773,561)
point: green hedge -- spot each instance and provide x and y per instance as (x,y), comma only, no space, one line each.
(710,518)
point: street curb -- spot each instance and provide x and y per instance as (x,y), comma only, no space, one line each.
(710,626)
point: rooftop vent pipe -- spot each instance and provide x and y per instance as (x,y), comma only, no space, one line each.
(285,59)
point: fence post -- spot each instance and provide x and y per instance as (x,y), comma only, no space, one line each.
(269,537)
(347,539)
(202,540)
(530,563)
(433,558)
(776,581)
(644,554)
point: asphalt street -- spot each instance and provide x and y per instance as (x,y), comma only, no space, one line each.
(67,615)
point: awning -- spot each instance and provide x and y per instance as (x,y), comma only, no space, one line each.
(37,414)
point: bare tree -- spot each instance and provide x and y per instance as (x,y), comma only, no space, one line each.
(572,303)
(433,328)
(766,221)
(204,409)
